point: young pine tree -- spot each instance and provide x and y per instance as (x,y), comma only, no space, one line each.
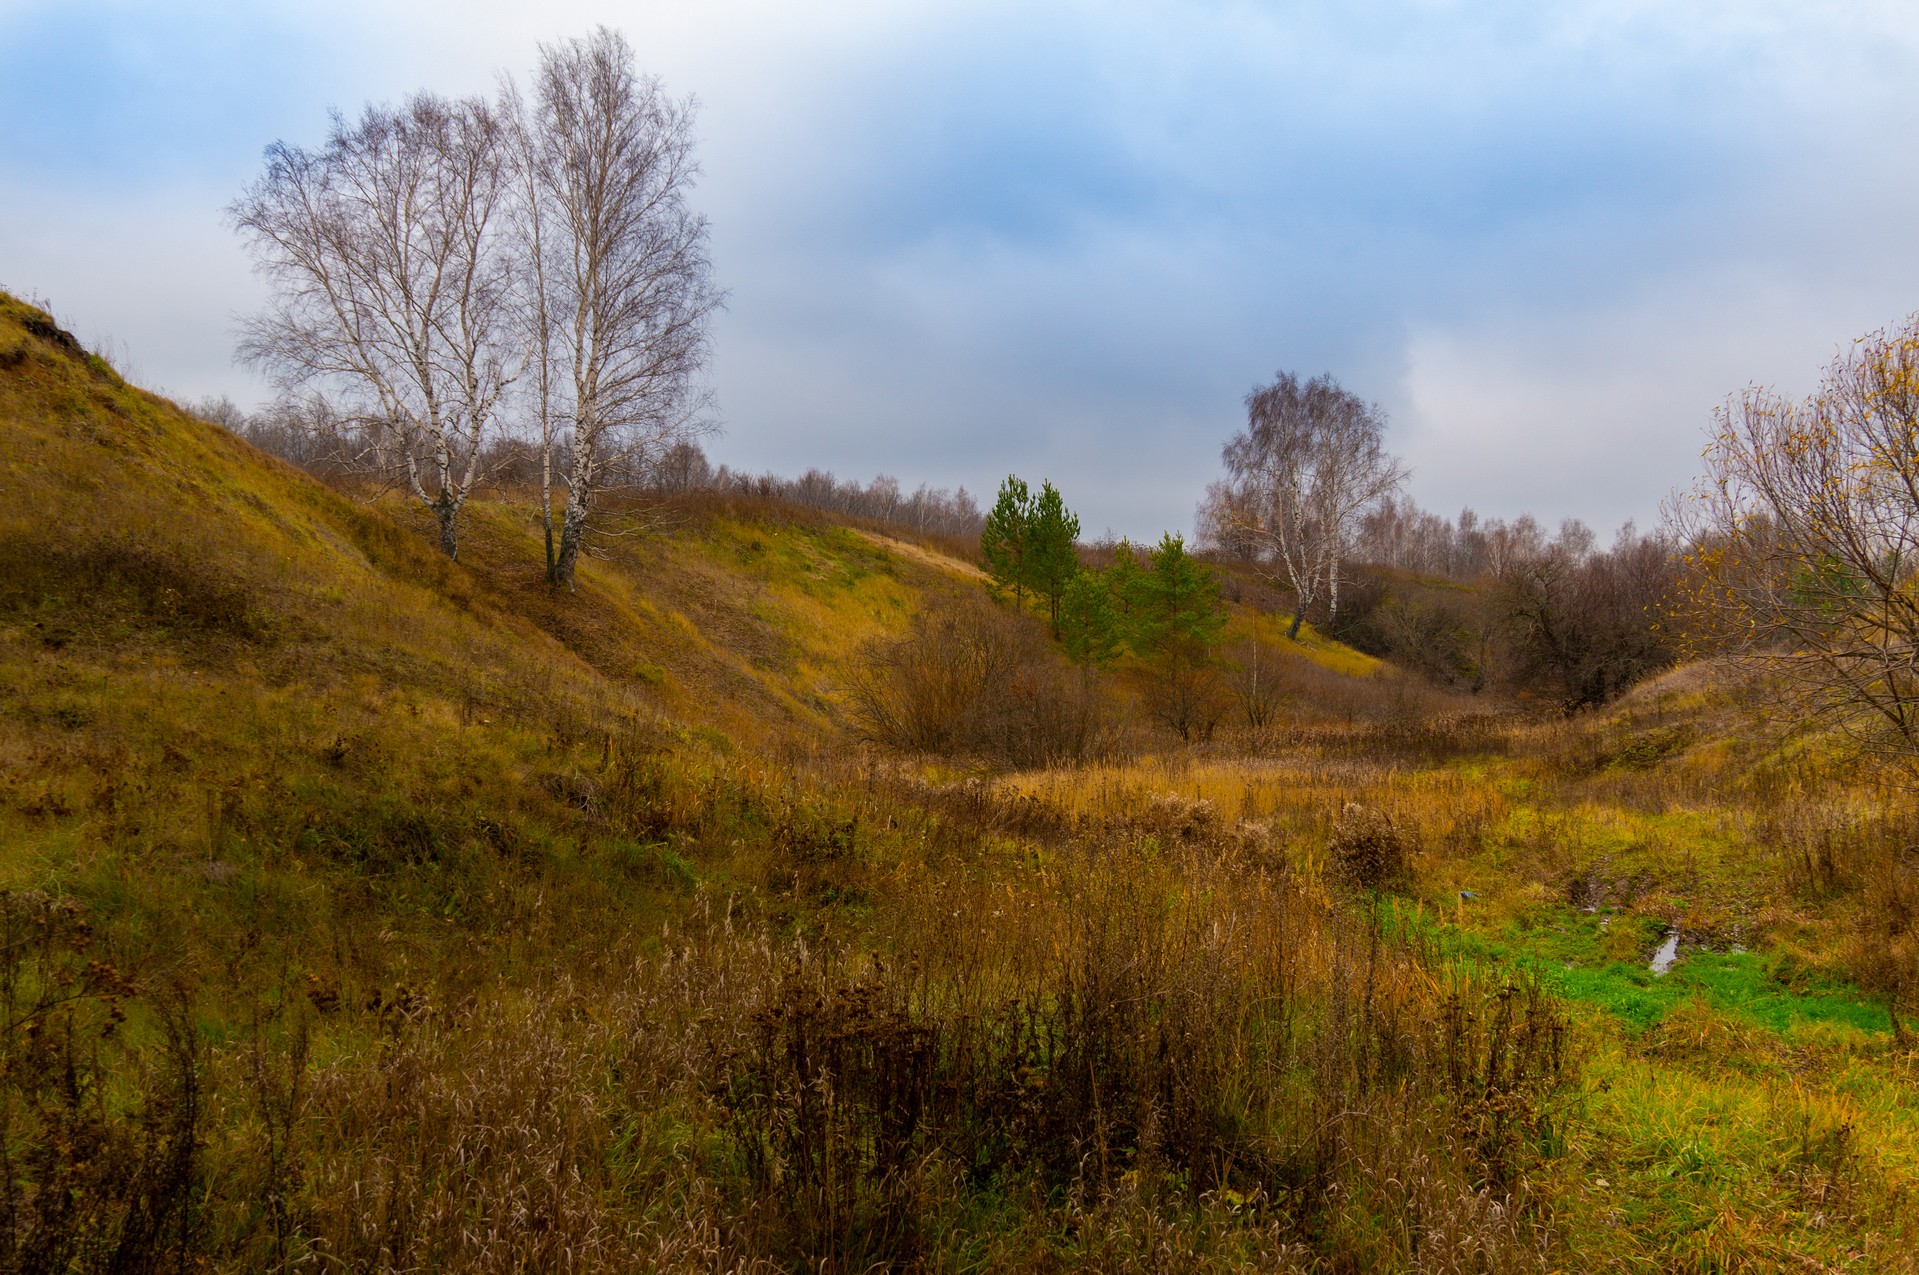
(1176,629)
(1123,579)
(1052,557)
(1005,543)
(1088,621)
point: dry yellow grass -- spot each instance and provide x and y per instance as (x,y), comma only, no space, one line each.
(928,557)
(568,931)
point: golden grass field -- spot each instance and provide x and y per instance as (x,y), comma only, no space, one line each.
(367,911)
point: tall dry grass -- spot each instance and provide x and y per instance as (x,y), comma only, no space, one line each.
(1154,1042)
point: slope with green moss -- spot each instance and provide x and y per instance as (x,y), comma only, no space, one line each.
(231,693)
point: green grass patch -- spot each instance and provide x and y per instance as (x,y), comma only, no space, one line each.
(1569,952)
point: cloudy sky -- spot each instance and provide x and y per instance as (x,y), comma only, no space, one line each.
(1064,239)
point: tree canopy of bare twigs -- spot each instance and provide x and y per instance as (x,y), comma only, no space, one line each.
(446,273)
(390,281)
(616,260)
(1398,533)
(1804,534)
(1311,460)
(1585,624)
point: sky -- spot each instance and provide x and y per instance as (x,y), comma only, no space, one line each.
(1064,240)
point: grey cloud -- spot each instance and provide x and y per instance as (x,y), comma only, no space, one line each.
(968,239)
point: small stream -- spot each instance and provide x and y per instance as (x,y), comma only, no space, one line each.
(1668,953)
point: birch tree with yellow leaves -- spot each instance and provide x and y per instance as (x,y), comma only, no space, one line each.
(1804,534)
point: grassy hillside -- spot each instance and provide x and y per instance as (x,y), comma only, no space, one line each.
(363,910)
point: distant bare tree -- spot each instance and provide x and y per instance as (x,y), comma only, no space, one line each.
(623,283)
(1398,533)
(1586,623)
(301,431)
(389,274)
(929,510)
(683,467)
(1310,462)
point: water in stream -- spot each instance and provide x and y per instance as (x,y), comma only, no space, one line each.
(1668,953)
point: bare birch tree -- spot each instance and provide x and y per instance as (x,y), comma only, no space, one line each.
(386,257)
(1310,462)
(624,282)
(532,300)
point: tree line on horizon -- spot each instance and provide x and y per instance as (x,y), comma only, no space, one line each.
(331,449)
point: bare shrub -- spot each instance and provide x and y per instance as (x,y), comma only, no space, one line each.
(1368,852)
(974,679)
(98,1141)
(1188,698)
(1172,817)
(1257,682)
(826,1106)
(1502,1069)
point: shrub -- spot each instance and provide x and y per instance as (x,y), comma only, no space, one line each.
(98,1165)
(1368,852)
(826,1105)
(973,679)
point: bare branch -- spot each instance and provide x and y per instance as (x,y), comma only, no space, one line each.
(1309,463)
(384,250)
(1805,539)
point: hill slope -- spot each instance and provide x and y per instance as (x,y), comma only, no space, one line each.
(368,910)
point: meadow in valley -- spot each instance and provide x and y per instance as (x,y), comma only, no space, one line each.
(779,900)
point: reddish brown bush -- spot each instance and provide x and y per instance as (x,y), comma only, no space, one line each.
(975,679)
